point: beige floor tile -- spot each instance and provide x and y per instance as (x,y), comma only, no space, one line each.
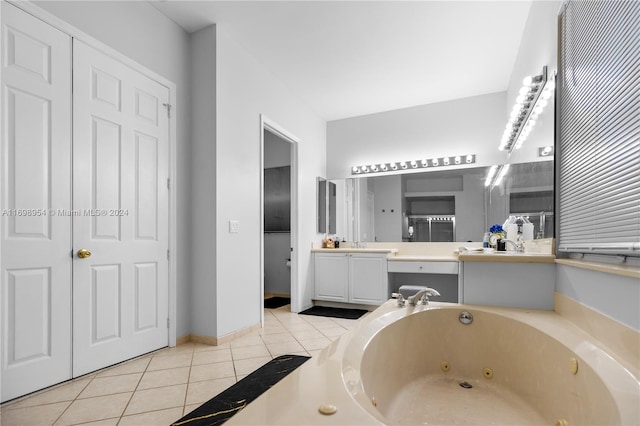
(278,338)
(217,370)
(277,349)
(160,378)
(154,418)
(245,352)
(110,385)
(199,392)
(129,367)
(93,409)
(346,323)
(66,392)
(186,348)
(307,335)
(171,361)
(208,357)
(315,344)
(248,340)
(106,422)
(200,347)
(156,399)
(40,415)
(246,366)
(333,332)
(189,408)
(272,330)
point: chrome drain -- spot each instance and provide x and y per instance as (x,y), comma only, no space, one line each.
(466,385)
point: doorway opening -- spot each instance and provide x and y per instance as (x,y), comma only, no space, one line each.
(278,218)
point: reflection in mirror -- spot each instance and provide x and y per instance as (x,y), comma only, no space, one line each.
(331,197)
(448,205)
(527,191)
(321,186)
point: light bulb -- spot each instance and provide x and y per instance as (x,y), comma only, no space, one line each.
(365,169)
(446,161)
(469,159)
(457,159)
(394,166)
(435,162)
(383,167)
(355,169)
(424,163)
(374,168)
(403,165)
(414,164)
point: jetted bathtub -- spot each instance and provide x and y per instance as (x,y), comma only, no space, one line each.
(421,365)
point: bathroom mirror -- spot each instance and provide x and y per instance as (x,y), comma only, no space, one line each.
(447,205)
(321,197)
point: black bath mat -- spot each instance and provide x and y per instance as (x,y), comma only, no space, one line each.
(325,311)
(276,302)
(222,407)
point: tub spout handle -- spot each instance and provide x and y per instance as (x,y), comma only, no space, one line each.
(399,297)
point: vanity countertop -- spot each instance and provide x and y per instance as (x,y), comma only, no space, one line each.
(507,257)
(391,251)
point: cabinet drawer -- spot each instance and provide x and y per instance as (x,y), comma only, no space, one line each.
(423,267)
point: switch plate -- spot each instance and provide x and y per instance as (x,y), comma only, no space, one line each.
(234,226)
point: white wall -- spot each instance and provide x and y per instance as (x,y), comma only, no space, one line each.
(203,211)
(464,126)
(244,91)
(538,48)
(140,32)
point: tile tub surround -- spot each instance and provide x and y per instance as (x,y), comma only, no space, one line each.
(161,387)
(334,376)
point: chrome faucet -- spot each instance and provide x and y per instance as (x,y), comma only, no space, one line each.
(423,296)
(517,245)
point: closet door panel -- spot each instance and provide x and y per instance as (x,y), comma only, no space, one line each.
(35,221)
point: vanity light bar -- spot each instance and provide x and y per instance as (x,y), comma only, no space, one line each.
(424,163)
(531,101)
(496,174)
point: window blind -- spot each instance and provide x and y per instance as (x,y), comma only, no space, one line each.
(599,127)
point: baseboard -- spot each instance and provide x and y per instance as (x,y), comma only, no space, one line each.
(268,294)
(217,341)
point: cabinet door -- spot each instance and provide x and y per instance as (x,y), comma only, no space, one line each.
(368,279)
(331,276)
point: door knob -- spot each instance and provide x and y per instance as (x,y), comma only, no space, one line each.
(82,253)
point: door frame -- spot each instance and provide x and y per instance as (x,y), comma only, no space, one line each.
(282,133)
(74,32)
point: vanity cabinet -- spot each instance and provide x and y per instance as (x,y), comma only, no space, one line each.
(351,277)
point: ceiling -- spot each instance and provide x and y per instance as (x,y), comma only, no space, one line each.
(351,58)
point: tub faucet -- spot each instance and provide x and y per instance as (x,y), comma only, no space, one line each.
(517,245)
(422,296)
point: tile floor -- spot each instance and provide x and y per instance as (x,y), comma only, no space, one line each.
(159,388)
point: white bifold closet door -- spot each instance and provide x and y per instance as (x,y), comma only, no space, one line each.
(83,171)
(36,183)
(120,172)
